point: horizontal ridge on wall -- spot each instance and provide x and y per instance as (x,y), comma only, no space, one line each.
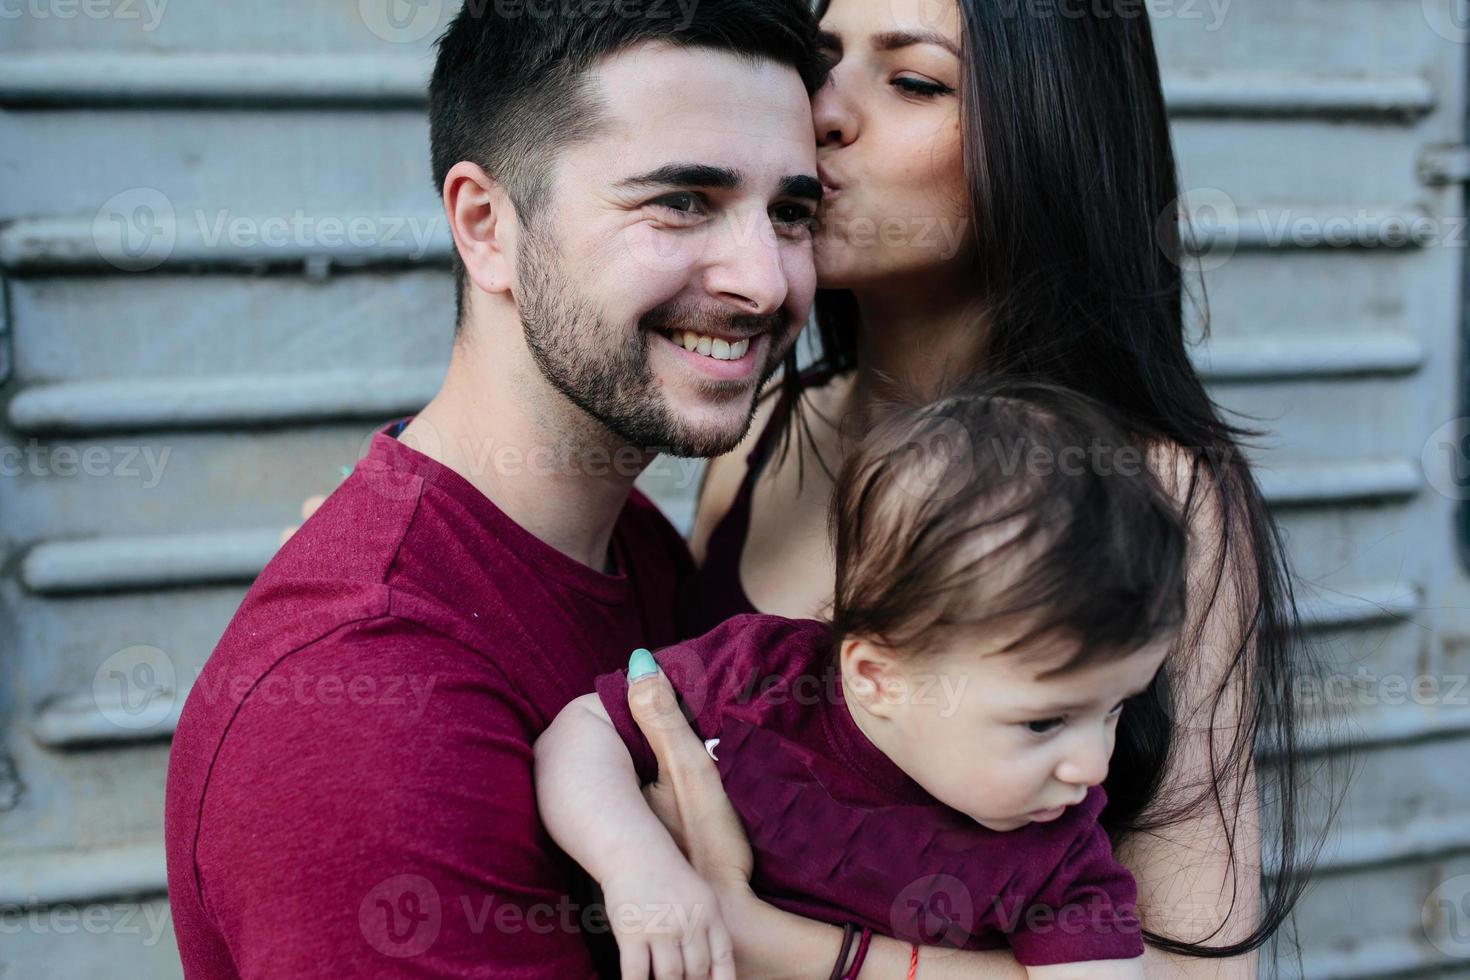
(92,244)
(65,79)
(131,563)
(1339,355)
(1373,961)
(171,403)
(49,877)
(69,244)
(168,403)
(1339,481)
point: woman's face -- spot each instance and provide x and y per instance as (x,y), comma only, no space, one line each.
(889,145)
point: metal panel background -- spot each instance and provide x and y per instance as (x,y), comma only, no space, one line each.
(223,263)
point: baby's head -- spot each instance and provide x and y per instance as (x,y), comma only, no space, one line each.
(1009,573)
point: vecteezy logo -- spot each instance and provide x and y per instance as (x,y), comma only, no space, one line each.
(1446,917)
(400,21)
(136,688)
(1450,19)
(1446,459)
(135,230)
(935,910)
(939,462)
(400,917)
(1209,229)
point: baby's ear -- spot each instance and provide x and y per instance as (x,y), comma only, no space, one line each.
(868,674)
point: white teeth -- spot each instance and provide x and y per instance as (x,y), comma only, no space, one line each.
(715,347)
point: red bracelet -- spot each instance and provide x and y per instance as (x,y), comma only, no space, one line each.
(914,962)
(862,951)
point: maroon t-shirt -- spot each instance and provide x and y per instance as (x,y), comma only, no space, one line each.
(349,790)
(841,833)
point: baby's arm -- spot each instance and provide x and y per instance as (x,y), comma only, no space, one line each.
(1092,970)
(661,911)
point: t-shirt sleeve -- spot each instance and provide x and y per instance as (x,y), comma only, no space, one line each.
(708,673)
(370,813)
(1086,910)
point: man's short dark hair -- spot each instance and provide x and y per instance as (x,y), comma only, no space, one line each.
(509,88)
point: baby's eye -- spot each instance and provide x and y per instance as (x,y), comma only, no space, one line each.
(1043,726)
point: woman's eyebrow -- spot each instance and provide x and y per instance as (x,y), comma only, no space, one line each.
(893,40)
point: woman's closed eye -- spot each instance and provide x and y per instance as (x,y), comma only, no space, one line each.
(920,87)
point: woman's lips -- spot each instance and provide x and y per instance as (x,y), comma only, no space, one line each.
(829,185)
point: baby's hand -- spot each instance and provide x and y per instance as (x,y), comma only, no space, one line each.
(667,923)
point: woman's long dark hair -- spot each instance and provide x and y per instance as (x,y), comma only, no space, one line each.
(1074,196)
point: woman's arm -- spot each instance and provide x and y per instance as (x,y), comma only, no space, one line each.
(1199,877)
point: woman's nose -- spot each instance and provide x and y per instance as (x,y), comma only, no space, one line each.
(832,115)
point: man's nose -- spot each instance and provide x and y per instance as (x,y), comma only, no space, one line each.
(746,266)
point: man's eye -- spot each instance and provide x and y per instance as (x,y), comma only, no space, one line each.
(793,214)
(681,203)
(1043,726)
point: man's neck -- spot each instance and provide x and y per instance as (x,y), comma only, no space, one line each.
(548,466)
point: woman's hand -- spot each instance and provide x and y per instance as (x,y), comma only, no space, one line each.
(688,795)
(308,507)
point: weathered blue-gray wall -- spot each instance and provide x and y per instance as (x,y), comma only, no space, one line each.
(223,262)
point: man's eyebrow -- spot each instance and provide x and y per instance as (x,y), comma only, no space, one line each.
(686,175)
(719,178)
(893,40)
(802,185)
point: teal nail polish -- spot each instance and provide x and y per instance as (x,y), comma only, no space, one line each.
(641,664)
(346,472)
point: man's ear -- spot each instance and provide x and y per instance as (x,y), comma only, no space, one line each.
(873,675)
(484,224)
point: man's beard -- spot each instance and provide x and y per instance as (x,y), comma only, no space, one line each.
(607,375)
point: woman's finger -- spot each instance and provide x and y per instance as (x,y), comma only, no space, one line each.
(310,505)
(709,832)
(695,950)
(721,952)
(668,961)
(633,961)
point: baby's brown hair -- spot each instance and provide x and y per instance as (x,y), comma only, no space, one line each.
(1005,500)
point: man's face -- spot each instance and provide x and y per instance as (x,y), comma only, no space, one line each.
(671,268)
